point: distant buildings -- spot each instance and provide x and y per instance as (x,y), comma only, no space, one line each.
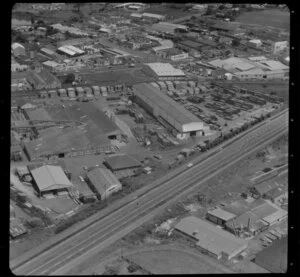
(164,71)
(245,69)
(18,49)
(71,30)
(166,27)
(279,46)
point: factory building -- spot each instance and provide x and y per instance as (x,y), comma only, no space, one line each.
(219,216)
(279,46)
(164,71)
(70,51)
(103,182)
(87,131)
(183,123)
(51,180)
(122,165)
(253,68)
(210,239)
(18,49)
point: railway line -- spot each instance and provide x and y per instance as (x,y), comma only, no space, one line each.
(60,258)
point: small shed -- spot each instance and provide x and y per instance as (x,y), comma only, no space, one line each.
(219,216)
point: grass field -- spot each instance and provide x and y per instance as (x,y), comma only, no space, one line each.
(273,18)
(159,9)
(175,262)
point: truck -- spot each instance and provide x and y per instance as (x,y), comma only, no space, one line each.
(62,92)
(96,90)
(103,91)
(71,92)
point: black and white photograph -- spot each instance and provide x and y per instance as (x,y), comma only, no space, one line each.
(149,138)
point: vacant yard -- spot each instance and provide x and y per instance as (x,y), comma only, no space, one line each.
(176,262)
(273,18)
(128,77)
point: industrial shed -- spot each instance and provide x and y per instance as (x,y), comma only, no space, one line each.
(219,216)
(274,258)
(164,71)
(122,165)
(211,239)
(183,122)
(166,27)
(103,182)
(50,180)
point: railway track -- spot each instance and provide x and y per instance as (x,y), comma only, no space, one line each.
(101,233)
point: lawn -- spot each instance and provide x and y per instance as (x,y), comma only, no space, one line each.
(273,18)
(175,262)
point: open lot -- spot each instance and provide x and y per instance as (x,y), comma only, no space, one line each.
(128,77)
(170,261)
(274,18)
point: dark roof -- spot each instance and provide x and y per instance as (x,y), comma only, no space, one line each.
(274,258)
(118,162)
(87,113)
(103,179)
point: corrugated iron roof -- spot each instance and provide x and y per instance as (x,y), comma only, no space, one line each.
(50,177)
(209,236)
(121,161)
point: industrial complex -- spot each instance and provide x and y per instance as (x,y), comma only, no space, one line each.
(149,138)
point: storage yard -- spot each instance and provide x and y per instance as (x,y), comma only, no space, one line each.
(107,99)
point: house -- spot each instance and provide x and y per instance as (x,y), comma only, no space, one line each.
(49,180)
(16,153)
(103,182)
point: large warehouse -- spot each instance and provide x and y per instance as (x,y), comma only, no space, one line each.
(164,71)
(183,123)
(85,130)
(211,239)
(260,68)
(50,180)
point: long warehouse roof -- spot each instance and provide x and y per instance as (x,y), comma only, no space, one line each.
(165,103)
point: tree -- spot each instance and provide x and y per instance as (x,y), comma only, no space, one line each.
(235,42)
(70,78)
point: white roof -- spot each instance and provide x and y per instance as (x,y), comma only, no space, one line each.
(67,50)
(275,216)
(210,237)
(75,49)
(257,58)
(16,45)
(51,63)
(222,214)
(255,40)
(232,64)
(50,177)
(136,15)
(158,16)
(165,69)
(273,65)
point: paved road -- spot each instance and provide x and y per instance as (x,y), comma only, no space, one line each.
(70,252)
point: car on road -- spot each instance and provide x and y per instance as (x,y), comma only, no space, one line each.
(190,165)
(81,178)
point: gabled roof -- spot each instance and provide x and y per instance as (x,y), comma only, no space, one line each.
(103,179)
(50,177)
